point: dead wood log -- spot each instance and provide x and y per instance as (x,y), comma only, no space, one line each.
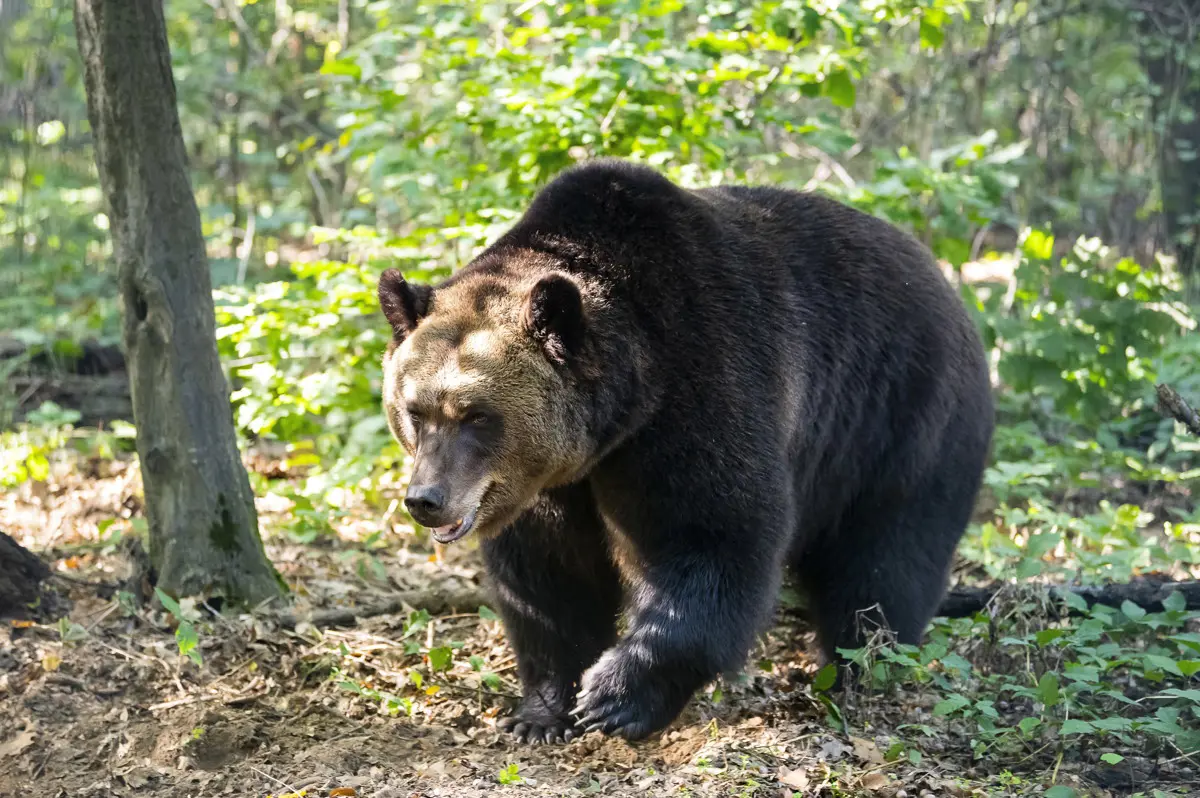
(1147,593)
(1171,404)
(960,602)
(21,574)
(435,601)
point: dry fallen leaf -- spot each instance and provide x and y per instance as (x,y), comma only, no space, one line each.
(17,744)
(50,662)
(875,781)
(796,779)
(342,792)
(866,751)
(17,624)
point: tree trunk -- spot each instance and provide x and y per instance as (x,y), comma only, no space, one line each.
(203,525)
(20,575)
(1168,40)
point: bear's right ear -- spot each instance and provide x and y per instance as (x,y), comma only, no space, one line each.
(554,317)
(403,304)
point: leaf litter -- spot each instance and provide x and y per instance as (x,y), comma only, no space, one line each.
(98,701)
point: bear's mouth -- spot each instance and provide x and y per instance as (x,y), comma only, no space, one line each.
(457,530)
(460,528)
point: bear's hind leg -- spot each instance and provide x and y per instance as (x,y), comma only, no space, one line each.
(891,562)
(558,594)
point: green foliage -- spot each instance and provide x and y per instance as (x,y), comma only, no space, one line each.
(508,774)
(185,630)
(1115,677)
(945,197)
(1085,333)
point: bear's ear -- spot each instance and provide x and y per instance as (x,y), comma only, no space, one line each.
(554,317)
(403,304)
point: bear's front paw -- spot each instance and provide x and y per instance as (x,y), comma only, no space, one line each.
(621,696)
(534,723)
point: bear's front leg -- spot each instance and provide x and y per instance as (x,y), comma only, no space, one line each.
(694,618)
(558,594)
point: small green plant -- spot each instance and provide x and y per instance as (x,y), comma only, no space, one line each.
(508,774)
(185,630)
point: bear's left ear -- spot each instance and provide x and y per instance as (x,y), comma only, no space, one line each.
(403,304)
(554,317)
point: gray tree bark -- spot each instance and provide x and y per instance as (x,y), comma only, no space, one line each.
(203,525)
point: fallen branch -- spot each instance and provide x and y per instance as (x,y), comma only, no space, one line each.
(435,602)
(1147,593)
(1171,404)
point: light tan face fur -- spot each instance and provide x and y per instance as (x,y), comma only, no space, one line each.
(472,350)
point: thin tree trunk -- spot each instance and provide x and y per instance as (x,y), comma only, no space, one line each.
(1169,33)
(203,525)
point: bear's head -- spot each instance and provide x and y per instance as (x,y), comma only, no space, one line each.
(476,388)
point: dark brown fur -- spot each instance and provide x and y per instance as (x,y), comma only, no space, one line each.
(692,391)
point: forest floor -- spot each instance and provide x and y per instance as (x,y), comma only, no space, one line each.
(96,699)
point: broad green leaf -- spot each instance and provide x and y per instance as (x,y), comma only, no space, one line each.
(951,704)
(1132,611)
(825,677)
(1047,690)
(839,88)
(1112,758)
(439,658)
(171,605)
(1175,602)
(1074,726)
(931,35)
(1038,245)
(1060,791)
(1027,725)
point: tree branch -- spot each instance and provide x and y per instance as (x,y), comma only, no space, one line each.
(1172,405)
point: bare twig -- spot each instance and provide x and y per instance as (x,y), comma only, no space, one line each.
(1171,404)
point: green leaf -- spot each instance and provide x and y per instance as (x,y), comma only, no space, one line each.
(1157,662)
(1027,725)
(1175,602)
(1074,726)
(439,658)
(839,88)
(1111,758)
(487,614)
(1060,791)
(1075,601)
(825,677)
(1188,667)
(348,68)
(187,639)
(1048,635)
(1047,690)
(1038,245)
(171,604)
(1132,611)
(931,35)
(951,704)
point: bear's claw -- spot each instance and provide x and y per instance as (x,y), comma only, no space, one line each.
(539,727)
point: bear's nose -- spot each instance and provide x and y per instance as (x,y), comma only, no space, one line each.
(424,503)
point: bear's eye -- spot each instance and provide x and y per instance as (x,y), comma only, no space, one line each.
(477,418)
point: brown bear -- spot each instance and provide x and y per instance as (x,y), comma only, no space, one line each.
(653,400)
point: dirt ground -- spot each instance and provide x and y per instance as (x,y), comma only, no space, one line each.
(96,700)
